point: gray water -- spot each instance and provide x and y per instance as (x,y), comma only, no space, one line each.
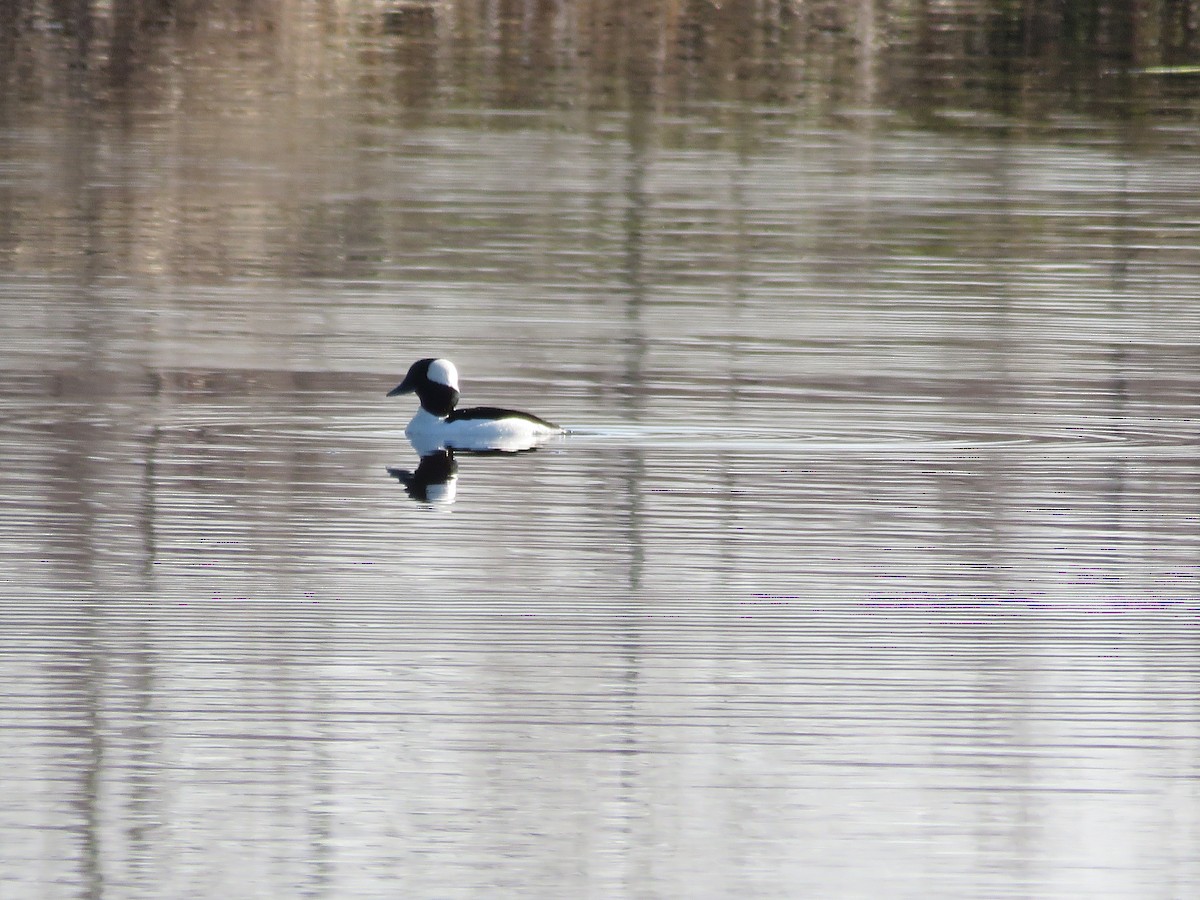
(870,566)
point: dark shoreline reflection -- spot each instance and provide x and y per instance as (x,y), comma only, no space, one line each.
(475,54)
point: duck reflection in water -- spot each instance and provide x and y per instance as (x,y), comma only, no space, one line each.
(433,481)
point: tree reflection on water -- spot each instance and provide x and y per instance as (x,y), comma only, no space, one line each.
(668,54)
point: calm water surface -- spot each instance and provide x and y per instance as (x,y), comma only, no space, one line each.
(871,566)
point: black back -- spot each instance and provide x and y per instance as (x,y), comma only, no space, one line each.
(495,412)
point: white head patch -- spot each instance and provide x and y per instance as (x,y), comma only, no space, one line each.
(443,372)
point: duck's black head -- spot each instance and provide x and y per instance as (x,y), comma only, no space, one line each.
(434,381)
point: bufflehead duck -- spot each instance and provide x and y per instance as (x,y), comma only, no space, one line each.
(438,424)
